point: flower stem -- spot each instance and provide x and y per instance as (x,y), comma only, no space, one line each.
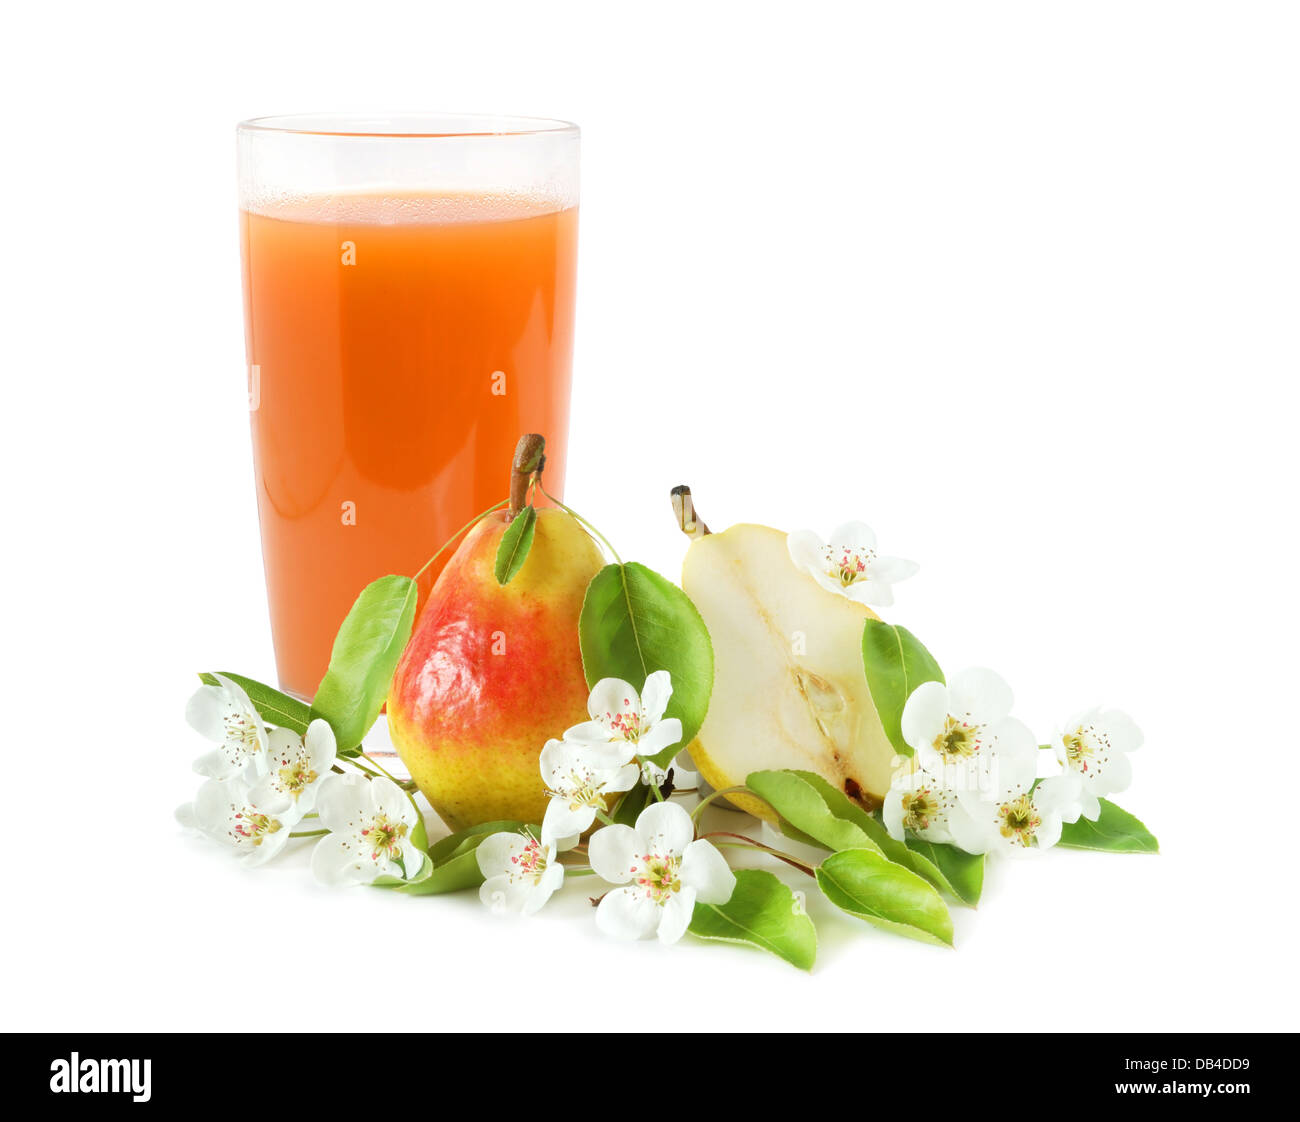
(355,761)
(383,770)
(741,788)
(751,843)
(654,787)
(582,521)
(449,542)
(308,833)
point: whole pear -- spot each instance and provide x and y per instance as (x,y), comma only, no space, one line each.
(494,671)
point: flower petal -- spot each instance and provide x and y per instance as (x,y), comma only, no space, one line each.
(980,696)
(322,750)
(413,858)
(924,714)
(1014,752)
(1113,777)
(852,536)
(971,824)
(283,746)
(1049,830)
(665,828)
(494,853)
(589,732)
(891,570)
(611,696)
(1121,730)
(623,779)
(206,711)
(553,762)
(832,583)
(876,594)
(706,871)
(655,694)
(613,852)
(270,845)
(1061,795)
(663,735)
(892,812)
(217,765)
(213,803)
(269,798)
(627,913)
(1090,807)
(676,914)
(336,864)
(495,892)
(544,889)
(807,550)
(341,800)
(389,799)
(562,821)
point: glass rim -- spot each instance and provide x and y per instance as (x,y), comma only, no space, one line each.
(409,126)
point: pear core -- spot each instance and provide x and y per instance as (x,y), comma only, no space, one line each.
(789,689)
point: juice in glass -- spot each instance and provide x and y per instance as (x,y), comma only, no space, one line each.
(399,342)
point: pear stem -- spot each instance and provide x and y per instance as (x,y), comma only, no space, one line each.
(688,521)
(530,459)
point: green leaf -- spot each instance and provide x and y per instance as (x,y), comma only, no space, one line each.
(454,861)
(763,913)
(951,870)
(1115,831)
(629,807)
(957,872)
(802,806)
(456,875)
(635,622)
(896,663)
(866,884)
(365,656)
(425,871)
(446,848)
(275,708)
(515,543)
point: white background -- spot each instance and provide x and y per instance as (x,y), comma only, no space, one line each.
(1016,283)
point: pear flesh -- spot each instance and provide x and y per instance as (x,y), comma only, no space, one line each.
(789,689)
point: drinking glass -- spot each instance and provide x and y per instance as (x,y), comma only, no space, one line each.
(408,299)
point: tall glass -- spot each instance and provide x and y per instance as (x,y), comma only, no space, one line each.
(408,297)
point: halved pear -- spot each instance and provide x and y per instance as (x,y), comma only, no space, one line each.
(789,690)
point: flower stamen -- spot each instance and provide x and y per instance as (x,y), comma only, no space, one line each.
(958,739)
(1019,820)
(659,876)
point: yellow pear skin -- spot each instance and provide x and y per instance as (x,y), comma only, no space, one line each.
(492,672)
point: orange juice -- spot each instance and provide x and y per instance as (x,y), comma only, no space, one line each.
(398,346)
